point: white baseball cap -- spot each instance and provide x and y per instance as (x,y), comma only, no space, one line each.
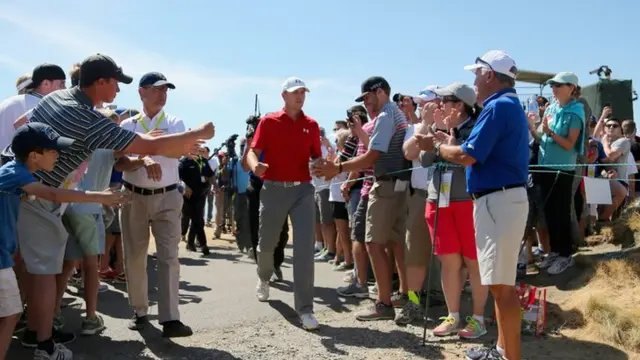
(293,83)
(497,61)
(426,95)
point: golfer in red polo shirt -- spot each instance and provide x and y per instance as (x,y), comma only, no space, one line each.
(287,140)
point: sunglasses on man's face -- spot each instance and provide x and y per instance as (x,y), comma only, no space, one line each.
(612,126)
(557,85)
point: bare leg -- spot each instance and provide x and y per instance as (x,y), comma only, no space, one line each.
(7,324)
(91,284)
(508,316)
(479,292)
(41,307)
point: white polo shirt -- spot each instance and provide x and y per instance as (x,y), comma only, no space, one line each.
(10,110)
(419,177)
(170,125)
(319,182)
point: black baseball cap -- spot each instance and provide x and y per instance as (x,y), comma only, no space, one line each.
(100,66)
(32,136)
(44,72)
(373,83)
(155,79)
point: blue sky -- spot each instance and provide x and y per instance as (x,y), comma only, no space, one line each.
(220,54)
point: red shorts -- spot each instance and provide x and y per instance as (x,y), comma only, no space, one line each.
(456,233)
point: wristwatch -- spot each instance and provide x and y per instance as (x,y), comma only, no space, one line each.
(436,149)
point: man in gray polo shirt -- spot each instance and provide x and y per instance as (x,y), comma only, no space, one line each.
(387,208)
(41,234)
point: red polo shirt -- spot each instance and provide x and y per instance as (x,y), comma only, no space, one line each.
(287,146)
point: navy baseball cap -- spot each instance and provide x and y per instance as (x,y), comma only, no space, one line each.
(32,136)
(155,79)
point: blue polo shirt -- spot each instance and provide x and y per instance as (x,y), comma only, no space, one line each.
(240,178)
(13,176)
(499,142)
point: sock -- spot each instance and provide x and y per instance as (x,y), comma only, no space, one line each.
(47,346)
(456,316)
(479,318)
(500,350)
(414,297)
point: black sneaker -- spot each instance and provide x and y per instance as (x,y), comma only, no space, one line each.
(174,329)
(30,338)
(205,250)
(191,247)
(138,322)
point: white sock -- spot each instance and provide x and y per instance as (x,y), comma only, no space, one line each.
(479,318)
(500,350)
(456,316)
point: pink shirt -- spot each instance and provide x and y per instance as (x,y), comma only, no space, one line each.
(368,172)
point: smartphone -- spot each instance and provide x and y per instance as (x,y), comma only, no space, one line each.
(350,116)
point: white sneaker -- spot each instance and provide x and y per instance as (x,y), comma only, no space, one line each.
(560,265)
(262,290)
(309,322)
(60,352)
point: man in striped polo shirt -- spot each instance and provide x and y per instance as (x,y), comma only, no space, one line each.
(42,237)
(387,208)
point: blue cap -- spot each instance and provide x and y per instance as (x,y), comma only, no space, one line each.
(32,136)
(130,112)
(155,79)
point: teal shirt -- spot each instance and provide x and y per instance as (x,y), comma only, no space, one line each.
(565,118)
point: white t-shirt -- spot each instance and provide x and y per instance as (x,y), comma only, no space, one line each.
(633,168)
(320,183)
(419,177)
(213,163)
(10,110)
(170,125)
(335,195)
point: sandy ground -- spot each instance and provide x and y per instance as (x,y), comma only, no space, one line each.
(217,299)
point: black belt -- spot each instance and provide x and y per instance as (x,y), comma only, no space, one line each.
(476,196)
(145,191)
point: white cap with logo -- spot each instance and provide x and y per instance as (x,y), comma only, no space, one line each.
(497,61)
(426,95)
(293,83)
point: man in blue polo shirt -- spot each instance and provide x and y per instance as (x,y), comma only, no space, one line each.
(239,183)
(496,155)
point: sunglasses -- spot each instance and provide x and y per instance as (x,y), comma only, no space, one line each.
(448,99)
(557,85)
(612,126)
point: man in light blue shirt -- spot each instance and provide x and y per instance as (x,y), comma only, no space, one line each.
(239,183)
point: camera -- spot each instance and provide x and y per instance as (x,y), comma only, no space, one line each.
(252,125)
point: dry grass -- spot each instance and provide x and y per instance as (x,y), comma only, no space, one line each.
(609,304)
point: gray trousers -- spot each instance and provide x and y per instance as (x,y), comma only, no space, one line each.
(241,214)
(210,204)
(276,203)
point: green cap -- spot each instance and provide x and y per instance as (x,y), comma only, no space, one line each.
(564,78)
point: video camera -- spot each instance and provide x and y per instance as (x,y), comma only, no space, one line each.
(230,144)
(252,125)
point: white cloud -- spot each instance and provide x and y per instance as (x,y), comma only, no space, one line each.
(196,82)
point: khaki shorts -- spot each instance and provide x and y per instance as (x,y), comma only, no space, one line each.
(386,213)
(500,219)
(10,303)
(418,239)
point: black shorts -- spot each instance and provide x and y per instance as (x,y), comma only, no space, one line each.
(339,210)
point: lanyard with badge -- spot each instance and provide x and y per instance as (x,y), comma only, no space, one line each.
(158,122)
(200,164)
